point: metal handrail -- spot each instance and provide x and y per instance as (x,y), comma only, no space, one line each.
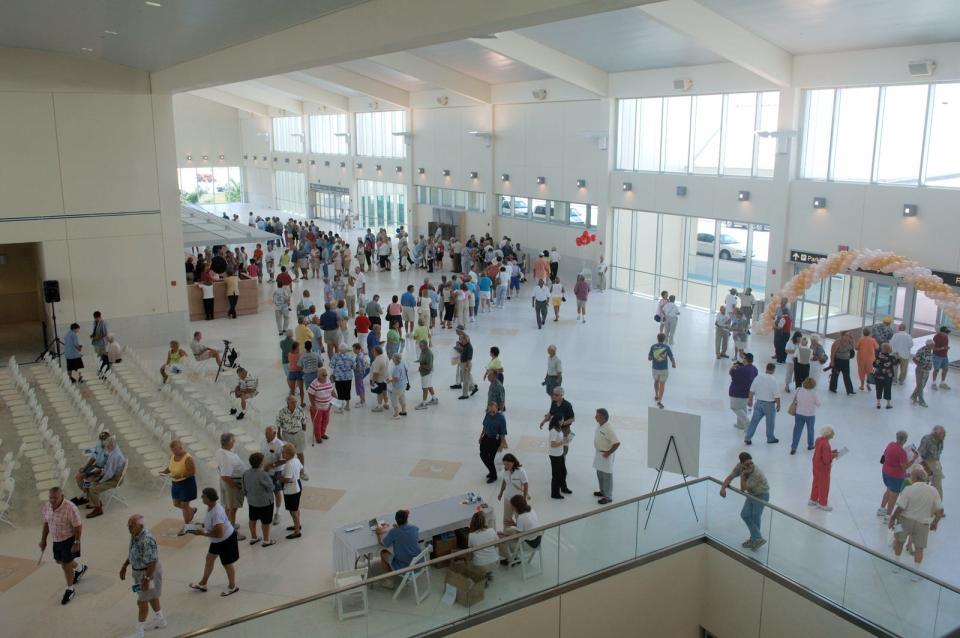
(541,530)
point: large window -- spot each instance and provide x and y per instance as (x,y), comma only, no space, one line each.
(375,134)
(883,134)
(211,184)
(382,204)
(544,210)
(291,191)
(697,259)
(464,200)
(288,134)
(705,134)
(328,134)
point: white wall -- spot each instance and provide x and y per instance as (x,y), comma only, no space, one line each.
(204,127)
(90,175)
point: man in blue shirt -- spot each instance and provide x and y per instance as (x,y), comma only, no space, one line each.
(485,285)
(660,353)
(330,324)
(402,542)
(109,479)
(742,374)
(408,304)
(493,436)
(94,466)
(71,350)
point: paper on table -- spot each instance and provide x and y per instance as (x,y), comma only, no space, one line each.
(449,596)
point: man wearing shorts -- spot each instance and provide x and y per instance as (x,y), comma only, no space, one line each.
(61,519)
(425,366)
(660,353)
(71,351)
(292,473)
(230,468)
(272,449)
(147,576)
(258,488)
(379,367)
(408,310)
(401,542)
(919,510)
(941,362)
(292,424)
(202,352)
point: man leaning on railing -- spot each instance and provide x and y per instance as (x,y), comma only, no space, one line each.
(754,483)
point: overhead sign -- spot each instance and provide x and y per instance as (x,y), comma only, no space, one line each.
(325,188)
(805,257)
(949,278)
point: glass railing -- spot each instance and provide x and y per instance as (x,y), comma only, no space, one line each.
(854,578)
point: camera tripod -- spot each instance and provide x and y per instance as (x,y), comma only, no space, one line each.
(55,344)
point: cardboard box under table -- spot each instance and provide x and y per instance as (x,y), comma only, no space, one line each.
(469,581)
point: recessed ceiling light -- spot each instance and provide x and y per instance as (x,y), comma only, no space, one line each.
(109,32)
(152,4)
(86,50)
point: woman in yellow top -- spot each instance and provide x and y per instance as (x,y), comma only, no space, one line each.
(182,472)
(495,364)
(174,363)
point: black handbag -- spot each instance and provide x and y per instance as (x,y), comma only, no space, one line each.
(656,318)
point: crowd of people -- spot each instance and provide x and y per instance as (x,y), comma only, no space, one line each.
(344,341)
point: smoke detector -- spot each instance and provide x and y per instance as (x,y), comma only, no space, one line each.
(682,85)
(443,100)
(540,94)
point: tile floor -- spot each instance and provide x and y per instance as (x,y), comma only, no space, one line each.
(368,465)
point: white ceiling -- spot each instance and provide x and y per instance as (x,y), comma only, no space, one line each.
(481,63)
(821,26)
(625,40)
(323,84)
(149,37)
(387,75)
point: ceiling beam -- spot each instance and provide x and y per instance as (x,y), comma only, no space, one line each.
(306,92)
(367,29)
(724,37)
(549,60)
(444,76)
(264,95)
(362,84)
(229,99)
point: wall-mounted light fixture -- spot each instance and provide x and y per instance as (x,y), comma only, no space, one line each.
(313,162)
(421,170)
(204,158)
(505,177)
(910,210)
(474,174)
(541,180)
(326,163)
(359,165)
(399,169)
(581,183)
(446,172)
(245,157)
(379,168)
(264,158)
(222,157)
(819,202)
(343,164)
(299,161)
(743,196)
(286,160)
(189,158)
(681,191)
(275,159)
(627,186)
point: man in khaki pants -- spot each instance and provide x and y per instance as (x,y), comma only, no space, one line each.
(931,447)
(109,479)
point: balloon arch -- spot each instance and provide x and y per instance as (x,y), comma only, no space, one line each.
(918,276)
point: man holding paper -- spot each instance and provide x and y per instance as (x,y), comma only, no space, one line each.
(143,559)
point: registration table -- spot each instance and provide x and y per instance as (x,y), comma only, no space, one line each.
(432,518)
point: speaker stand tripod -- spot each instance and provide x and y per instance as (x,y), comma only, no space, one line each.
(55,344)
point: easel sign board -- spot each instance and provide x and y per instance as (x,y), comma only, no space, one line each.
(684,427)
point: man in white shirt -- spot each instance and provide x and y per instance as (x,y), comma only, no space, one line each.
(670,316)
(605,442)
(919,510)
(765,401)
(272,449)
(281,308)
(201,351)
(230,468)
(722,336)
(730,301)
(360,280)
(541,296)
(902,344)
(601,274)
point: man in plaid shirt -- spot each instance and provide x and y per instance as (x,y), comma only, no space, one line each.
(61,519)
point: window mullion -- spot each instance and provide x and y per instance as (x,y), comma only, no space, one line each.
(927,122)
(877,134)
(833,134)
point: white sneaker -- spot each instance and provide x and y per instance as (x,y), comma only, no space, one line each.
(881,511)
(826,508)
(812,504)
(276,518)
(421,406)
(944,386)
(157,623)
(434,401)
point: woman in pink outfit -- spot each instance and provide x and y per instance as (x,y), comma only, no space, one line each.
(823,457)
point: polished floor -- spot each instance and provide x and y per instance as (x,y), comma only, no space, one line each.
(373,464)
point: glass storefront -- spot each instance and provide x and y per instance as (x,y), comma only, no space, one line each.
(382,203)
(651,252)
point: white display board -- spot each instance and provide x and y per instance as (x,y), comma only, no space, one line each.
(685,429)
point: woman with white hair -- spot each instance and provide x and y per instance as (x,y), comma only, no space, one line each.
(823,457)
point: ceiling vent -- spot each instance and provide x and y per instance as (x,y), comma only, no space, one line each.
(922,68)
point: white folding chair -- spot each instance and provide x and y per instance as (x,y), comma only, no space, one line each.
(524,554)
(346,579)
(6,496)
(414,576)
(114,494)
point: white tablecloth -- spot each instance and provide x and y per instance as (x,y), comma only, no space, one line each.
(432,518)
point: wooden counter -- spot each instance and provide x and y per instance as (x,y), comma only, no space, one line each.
(247,304)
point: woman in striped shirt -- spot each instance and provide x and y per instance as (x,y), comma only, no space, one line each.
(321,396)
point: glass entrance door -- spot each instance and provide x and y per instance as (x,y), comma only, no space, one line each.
(882,300)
